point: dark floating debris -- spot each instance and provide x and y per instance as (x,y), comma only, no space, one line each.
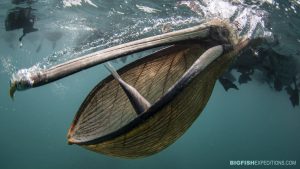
(244,78)
(278,85)
(293,93)
(18,2)
(227,84)
(21,18)
(278,71)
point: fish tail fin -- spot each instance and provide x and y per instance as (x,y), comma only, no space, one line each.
(113,71)
(139,103)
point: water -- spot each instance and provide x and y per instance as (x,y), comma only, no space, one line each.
(252,123)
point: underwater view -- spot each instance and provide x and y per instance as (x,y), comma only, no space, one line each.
(149,84)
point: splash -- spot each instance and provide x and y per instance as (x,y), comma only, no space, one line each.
(70,3)
(147,9)
(8,66)
(60,90)
(26,74)
(142,28)
(249,19)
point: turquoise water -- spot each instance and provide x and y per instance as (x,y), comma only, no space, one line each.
(252,123)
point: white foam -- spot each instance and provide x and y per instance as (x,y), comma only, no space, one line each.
(70,3)
(147,9)
(247,19)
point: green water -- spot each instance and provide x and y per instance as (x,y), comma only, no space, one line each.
(252,123)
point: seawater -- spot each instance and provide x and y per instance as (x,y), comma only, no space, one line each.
(252,123)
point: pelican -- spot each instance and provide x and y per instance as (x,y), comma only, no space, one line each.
(145,106)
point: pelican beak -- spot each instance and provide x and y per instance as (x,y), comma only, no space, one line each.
(215,30)
(12,90)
